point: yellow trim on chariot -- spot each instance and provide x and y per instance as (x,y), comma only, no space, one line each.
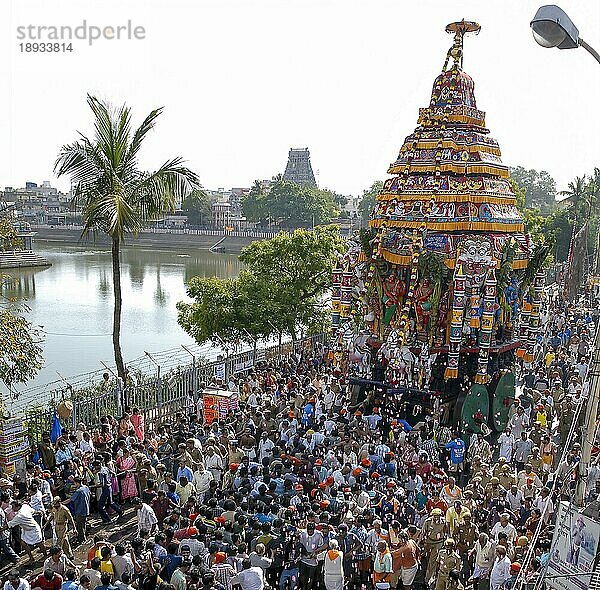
(432,144)
(426,119)
(400,259)
(456,167)
(515,264)
(452,225)
(447,197)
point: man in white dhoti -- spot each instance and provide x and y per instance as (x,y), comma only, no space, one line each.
(31,533)
(333,568)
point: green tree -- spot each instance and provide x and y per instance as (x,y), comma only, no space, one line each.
(519,193)
(581,195)
(297,269)
(254,205)
(9,238)
(280,290)
(368,200)
(233,310)
(576,192)
(540,188)
(214,311)
(20,351)
(115,196)
(197,205)
(287,204)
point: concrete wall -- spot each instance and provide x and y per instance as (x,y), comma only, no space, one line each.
(166,241)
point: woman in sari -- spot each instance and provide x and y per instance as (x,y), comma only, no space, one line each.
(125,425)
(138,424)
(126,465)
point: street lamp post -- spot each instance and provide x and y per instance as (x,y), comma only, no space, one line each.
(552,27)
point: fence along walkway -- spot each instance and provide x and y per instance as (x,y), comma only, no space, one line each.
(158,396)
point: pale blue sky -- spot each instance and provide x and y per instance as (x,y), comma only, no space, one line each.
(242,81)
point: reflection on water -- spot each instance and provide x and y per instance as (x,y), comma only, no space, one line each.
(22,283)
(73,302)
(160,295)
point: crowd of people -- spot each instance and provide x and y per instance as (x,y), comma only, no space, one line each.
(308,486)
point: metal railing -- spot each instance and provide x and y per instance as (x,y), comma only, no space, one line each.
(242,233)
(158,394)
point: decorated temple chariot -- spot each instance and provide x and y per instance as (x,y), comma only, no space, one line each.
(434,302)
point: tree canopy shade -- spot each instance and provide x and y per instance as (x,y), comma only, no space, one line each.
(115,196)
(368,200)
(280,291)
(579,206)
(20,353)
(9,238)
(540,188)
(197,205)
(287,204)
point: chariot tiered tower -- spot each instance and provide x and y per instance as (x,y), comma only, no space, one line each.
(432,293)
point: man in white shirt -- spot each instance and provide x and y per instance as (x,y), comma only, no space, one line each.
(265,447)
(506,442)
(214,463)
(15,582)
(504,526)
(36,502)
(500,570)
(519,422)
(582,368)
(86,446)
(485,552)
(146,517)
(313,542)
(201,481)
(250,578)
(545,505)
(122,563)
(514,496)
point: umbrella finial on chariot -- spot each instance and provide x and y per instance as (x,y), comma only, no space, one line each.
(460,29)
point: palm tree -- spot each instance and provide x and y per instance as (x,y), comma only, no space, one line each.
(577,194)
(116,198)
(594,189)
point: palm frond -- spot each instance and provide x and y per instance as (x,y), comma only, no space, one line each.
(159,191)
(140,134)
(536,263)
(104,128)
(112,214)
(79,159)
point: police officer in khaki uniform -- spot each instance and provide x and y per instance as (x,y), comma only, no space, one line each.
(475,488)
(465,534)
(506,478)
(447,560)
(499,466)
(492,490)
(484,475)
(63,525)
(433,533)
(536,461)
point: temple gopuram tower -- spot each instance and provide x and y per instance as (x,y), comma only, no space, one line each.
(298,169)
(436,299)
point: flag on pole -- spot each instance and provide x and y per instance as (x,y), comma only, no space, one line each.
(37,458)
(56,428)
